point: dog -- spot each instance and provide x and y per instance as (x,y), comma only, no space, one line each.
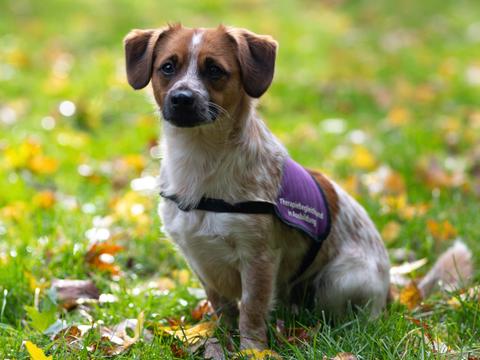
(221,175)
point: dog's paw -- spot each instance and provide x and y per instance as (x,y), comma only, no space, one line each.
(214,350)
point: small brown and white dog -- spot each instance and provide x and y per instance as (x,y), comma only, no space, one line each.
(205,82)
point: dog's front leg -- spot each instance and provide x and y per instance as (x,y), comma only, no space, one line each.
(258,279)
(226,310)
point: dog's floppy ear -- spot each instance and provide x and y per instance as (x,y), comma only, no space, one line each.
(256,56)
(139,46)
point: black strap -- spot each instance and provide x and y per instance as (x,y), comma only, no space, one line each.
(247,207)
(221,206)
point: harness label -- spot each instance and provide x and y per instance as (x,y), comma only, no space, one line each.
(301,202)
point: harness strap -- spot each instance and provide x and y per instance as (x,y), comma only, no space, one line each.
(221,206)
(247,207)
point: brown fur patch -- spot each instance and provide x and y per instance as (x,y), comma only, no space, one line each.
(329,191)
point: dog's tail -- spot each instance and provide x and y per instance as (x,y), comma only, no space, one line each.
(452,270)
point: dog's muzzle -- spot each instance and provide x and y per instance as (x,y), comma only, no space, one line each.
(185,108)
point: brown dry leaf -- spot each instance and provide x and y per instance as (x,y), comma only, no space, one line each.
(390,231)
(394,183)
(260,354)
(72,336)
(410,296)
(442,230)
(71,293)
(35,352)
(294,335)
(434,342)
(101,256)
(344,356)
(204,307)
(116,341)
(434,175)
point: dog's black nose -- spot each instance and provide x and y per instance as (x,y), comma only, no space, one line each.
(182,98)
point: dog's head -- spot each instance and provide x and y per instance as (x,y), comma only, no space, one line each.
(198,75)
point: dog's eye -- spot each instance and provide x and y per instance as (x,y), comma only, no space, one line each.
(168,69)
(214,72)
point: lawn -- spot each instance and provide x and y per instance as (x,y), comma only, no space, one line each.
(383,96)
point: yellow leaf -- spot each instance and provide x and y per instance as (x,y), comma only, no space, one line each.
(362,158)
(33,283)
(14,211)
(398,116)
(410,296)
(139,327)
(192,335)
(42,164)
(390,231)
(35,352)
(182,276)
(260,354)
(44,199)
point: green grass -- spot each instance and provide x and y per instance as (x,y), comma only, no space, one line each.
(356,61)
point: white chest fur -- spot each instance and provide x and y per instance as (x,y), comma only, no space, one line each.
(215,244)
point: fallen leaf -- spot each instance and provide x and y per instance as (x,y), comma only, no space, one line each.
(442,230)
(43,165)
(434,175)
(407,267)
(101,256)
(116,340)
(472,293)
(72,336)
(34,283)
(344,356)
(191,335)
(294,335)
(362,158)
(433,342)
(44,199)
(204,307)
(399,116)
(35,352)
(71,293)
(182,276)
(390,231)
(410,296)
(259,354)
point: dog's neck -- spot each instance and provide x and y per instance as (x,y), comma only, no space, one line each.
(236,161)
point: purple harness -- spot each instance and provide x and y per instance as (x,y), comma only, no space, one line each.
(300,204)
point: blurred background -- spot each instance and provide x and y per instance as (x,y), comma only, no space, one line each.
(380,95)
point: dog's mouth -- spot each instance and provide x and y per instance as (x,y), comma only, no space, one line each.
(191,116)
